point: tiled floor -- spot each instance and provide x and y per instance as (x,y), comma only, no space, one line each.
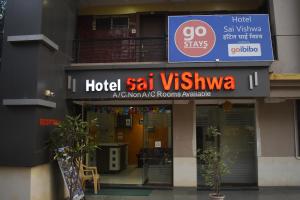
(131,175)
(262,194)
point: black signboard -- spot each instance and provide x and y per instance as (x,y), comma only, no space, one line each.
(168,83)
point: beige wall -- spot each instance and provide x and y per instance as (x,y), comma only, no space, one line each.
(285,92)
(277,131)
(278,171)
(45,184)
(185,172)
(14,183)
(37,183)
(184,145)
(277,164)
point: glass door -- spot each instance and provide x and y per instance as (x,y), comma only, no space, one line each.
(135,144)
(158,151)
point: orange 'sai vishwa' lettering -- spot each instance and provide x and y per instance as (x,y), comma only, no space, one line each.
(188,81)
(141,83)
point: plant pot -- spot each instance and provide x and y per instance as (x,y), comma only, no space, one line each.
(213,196)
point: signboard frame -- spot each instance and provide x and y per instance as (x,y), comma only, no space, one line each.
(213,56)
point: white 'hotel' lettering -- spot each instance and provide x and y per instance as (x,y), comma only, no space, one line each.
(92,86)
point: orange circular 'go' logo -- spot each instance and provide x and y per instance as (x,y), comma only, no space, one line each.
(195,38)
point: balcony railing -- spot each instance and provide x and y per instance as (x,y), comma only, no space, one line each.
(121,50)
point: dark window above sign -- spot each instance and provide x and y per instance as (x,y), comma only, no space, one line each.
(103,23)
(120,22)
(106,23)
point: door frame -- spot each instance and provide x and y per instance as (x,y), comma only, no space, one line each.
(136,103)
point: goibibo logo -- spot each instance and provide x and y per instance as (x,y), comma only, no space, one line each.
(195,38)
(244,50)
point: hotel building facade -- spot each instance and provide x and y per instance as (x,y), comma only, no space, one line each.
(112,62)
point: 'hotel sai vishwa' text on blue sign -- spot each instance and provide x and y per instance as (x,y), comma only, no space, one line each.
(219,38)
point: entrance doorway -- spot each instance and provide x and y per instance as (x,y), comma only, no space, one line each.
(237,125)
(135,144)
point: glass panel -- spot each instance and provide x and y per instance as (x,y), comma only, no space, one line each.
(119,133)
(135,144)
(158,167)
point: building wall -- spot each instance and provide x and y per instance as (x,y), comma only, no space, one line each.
(277,129)
(22,154)
(277,164)
(27,70)
(278,171)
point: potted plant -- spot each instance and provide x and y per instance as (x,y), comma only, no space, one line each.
(69,142)
(213,165)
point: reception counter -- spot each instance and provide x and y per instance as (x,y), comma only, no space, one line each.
(112,157)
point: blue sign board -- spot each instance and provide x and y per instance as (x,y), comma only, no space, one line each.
(219,38)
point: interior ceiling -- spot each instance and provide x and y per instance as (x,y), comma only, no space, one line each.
(131,2)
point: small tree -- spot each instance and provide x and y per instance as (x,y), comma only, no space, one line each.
(213,165)
(70,142)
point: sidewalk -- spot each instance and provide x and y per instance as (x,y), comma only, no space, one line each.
(262,194)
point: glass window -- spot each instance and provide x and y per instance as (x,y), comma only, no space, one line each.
(106,23)
(103,23)
(120,22)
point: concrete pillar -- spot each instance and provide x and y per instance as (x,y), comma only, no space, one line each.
(184,144)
